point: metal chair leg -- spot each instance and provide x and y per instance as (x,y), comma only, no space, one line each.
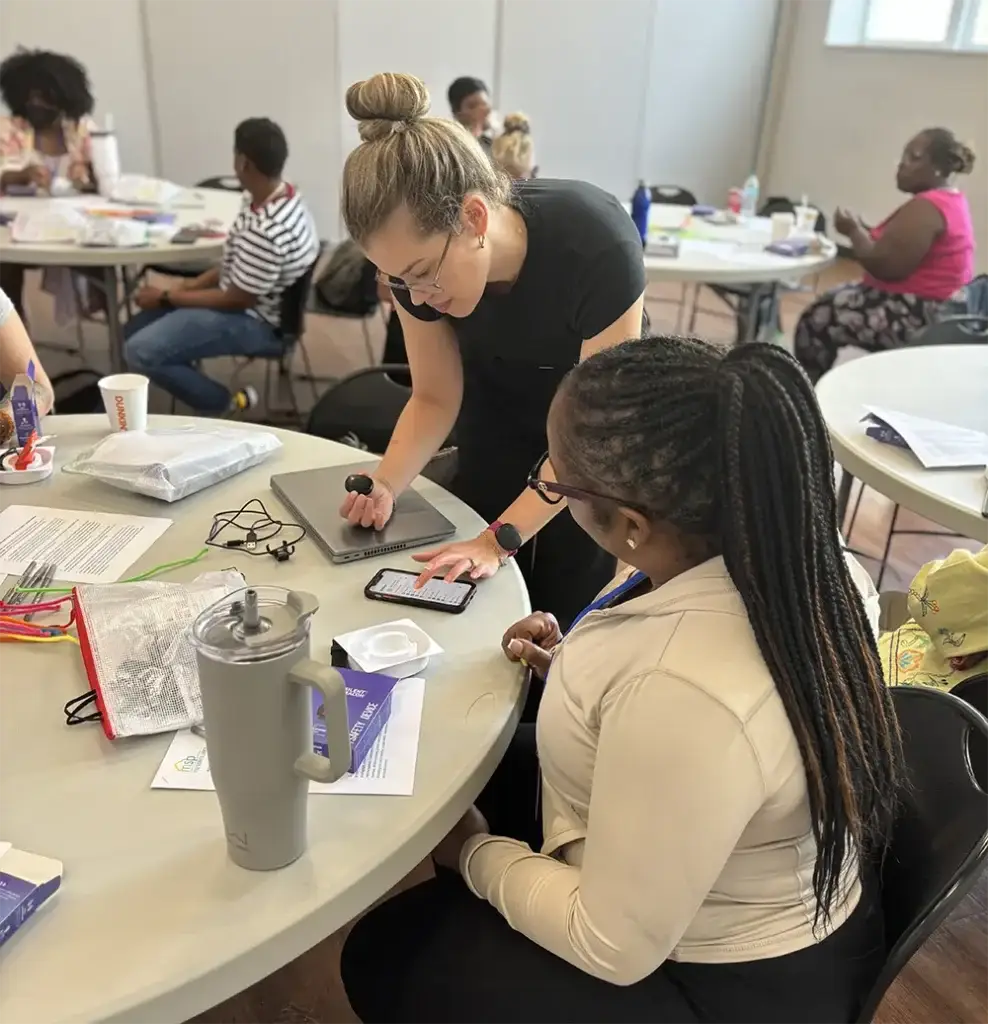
(368,347)
(843,497)
(854,513)
(308,370)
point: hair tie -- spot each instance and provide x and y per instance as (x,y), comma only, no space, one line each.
(400,126)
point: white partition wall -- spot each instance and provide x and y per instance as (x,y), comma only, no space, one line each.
(668,90)
(107,36)
(580,71)
(216,62)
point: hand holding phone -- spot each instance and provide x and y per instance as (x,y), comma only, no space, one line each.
(398,587)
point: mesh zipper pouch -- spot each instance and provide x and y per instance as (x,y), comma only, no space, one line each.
(136,642)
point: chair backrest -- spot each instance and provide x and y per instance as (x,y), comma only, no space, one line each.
(227,182)
(294,300)
(966,329)
(673,195)
(974,691)
(940,840)
(783,204)
(363,407)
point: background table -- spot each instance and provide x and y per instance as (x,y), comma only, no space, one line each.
(729,254)
(940,382)
(153,922)
(194,206)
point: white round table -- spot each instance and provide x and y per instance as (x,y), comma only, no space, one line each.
(218,207)
(153,921)
(728,254)
(940,382)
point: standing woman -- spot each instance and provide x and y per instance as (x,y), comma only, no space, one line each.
(47,134)
(513,150)
(500,290)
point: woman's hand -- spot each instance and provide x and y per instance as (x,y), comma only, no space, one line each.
(846,223)
(531,640)
(447,853)
(79,175)
(372,509)
(480,557)
(148,297)
(37,175)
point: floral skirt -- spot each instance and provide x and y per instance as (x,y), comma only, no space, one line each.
(862,317)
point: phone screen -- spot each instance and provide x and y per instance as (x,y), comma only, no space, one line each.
(398,586)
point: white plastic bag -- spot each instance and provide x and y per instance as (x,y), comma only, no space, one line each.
(176,462)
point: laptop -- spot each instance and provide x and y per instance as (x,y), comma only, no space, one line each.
(314,496)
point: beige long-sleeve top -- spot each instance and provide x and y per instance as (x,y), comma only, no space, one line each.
(675,811)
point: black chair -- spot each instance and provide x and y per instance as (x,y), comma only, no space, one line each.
(672,195)
(365,309)
(964,329)
(940,842)
(193,268)
(974,691)
(362,409)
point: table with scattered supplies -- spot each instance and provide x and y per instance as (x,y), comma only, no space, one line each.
(153,921)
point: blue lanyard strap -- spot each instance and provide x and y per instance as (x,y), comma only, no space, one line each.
(606,600)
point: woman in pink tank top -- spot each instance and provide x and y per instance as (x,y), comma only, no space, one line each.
(914,261)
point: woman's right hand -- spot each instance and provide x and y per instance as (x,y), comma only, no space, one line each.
(531,641)
(368,510)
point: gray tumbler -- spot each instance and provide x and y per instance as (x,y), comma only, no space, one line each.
(252,650)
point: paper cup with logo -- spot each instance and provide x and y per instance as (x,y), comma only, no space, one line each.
(125,397)
(806,217)
(782,225)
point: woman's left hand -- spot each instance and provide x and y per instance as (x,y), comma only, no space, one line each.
(148,297)
(79,175)
(447,853)
(480,558)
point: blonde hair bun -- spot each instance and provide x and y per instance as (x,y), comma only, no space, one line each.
(517,122)
(386,103)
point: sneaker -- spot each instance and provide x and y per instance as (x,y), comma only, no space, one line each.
(244,399)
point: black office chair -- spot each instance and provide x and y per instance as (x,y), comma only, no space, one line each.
(672,195)
(963,329)
(974,691)
(940,842)
(193,268)
(362,409)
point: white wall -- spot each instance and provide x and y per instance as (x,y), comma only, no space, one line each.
(669,90)
(846,114)
(107,37)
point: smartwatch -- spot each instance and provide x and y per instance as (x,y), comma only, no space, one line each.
(507,537)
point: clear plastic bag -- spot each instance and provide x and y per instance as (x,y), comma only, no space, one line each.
(136,641)
(174,463)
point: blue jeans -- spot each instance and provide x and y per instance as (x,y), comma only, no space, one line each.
(164,343)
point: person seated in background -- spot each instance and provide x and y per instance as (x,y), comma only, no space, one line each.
(914,261)
(46,136)
(16,355)
(233,309)
(513,150)
(945,641)
(716,748)
(470,103)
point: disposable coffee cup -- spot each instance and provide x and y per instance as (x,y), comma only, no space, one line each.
(806,220)
(125,398)
(782,225)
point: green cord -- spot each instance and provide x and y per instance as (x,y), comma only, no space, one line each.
(157,570)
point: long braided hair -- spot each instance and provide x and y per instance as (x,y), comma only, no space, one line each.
(732,448)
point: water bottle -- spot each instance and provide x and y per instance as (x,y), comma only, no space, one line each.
(749,197)
(641,203)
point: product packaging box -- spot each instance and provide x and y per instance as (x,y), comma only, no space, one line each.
(368,704)
(26,881)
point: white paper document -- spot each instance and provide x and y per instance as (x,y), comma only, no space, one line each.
(937,445)
(388,769)
(87,547)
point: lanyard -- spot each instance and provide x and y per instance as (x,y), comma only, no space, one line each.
(606,600)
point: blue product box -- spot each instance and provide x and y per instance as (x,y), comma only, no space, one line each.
(368,705)
(26,881)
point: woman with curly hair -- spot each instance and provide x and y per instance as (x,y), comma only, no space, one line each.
(914,261)
(47,133)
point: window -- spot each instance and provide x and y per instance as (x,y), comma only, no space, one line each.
(909,24)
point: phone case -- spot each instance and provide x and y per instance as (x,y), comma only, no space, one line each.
(414,602)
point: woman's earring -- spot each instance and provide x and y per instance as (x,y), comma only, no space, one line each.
(482,239)
(632,543)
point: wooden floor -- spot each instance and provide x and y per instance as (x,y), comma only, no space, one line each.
(947,981)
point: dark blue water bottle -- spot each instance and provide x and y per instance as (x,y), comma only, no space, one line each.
(641,203)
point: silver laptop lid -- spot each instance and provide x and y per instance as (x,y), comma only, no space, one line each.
(315,495)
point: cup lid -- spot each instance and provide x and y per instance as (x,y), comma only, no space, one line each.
(254,624)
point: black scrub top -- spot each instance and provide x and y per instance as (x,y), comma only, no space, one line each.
(583,268)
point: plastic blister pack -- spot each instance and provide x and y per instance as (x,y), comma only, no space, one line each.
(174,463)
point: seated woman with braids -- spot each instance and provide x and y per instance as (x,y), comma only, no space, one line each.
(717,753)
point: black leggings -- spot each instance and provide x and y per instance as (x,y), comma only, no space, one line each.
(437,954)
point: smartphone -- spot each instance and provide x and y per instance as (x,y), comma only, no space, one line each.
(397,586)
(185,237)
